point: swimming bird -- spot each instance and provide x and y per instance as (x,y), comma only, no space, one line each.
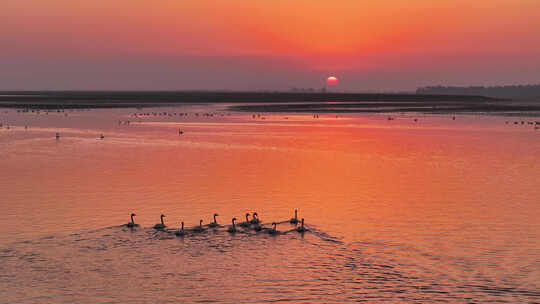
(132,223)
(214,223)
(180,232)
(232,229)
(295,219)
(255,219)
(257,227)
(301,229)
(273,229)
(246,223)
(161,225)
(199,228)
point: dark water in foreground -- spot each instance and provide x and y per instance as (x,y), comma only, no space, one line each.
(116,264)
(434,210)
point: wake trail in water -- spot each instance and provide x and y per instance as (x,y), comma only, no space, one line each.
(368,269)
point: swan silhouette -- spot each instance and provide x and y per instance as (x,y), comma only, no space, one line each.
(257,227)
(214,223)
(199,228)
(161,225)
(246,223)
(301,229)
(255,219)
(295,219)
(132,223)
(180,232)
(232,229)
(273,229)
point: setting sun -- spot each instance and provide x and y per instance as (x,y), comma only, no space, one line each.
(332,80)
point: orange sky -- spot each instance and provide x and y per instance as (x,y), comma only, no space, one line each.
(384,44)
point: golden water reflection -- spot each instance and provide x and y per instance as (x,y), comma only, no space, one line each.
(467,188)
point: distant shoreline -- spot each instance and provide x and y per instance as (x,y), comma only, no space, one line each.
(267,101)
(508,108)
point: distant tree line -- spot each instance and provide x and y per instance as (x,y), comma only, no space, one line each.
(514,91)
(308,90)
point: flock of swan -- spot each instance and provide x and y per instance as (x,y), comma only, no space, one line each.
(254,223)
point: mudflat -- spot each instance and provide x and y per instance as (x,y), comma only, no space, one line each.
(269,101)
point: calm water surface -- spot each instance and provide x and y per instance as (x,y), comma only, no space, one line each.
(437,210)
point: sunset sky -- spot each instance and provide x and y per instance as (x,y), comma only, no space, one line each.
(267,44)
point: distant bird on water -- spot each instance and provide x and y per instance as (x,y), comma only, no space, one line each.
(273,229)
(232,229)
(246,223)
(255,219)
(214,223)
(199,228)
(180,232)
(132,223)
(257,227)
(161,225)
(301,229)
(295,219)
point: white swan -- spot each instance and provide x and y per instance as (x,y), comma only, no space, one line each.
(257,227)
(301,229)
(180,232)
(199,228)
(214,223)
(246,223)
(161,225)
(132,223)
(255,219)
(295,219)
(273,229)
(232,229)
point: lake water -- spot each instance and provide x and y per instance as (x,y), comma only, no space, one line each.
(433,210)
